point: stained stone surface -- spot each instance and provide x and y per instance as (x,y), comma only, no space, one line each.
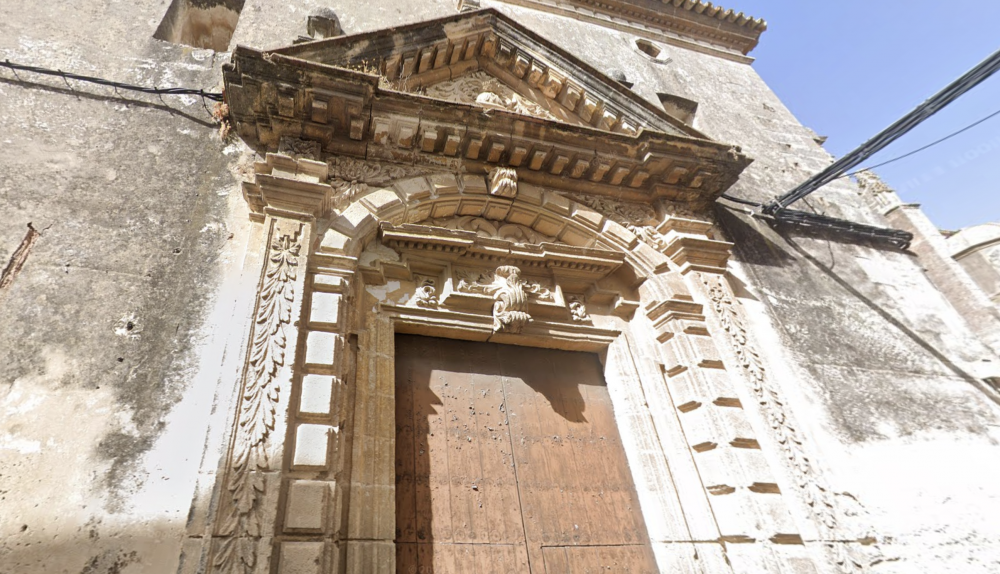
(123,334)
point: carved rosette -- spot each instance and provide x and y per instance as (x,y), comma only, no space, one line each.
(240,527)
(817,494)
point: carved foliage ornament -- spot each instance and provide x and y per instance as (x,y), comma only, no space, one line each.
(241,527)
(578,309)
(350,177)
(636,217)
(484,90)
(510,295)
(817,494)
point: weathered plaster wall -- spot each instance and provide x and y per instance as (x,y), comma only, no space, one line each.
(130,308)
(883,374)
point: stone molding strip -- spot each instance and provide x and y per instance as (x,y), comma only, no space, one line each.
(692,24)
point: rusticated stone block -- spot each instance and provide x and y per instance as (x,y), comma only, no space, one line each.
(324,312)
(301,558)
(307,505)
(311,445)
(321,350)
(316,394)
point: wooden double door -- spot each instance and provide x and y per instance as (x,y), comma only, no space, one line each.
(508,460)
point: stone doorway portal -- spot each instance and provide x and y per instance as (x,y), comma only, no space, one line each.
(508,459)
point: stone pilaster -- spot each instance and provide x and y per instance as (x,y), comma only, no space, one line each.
(285,198)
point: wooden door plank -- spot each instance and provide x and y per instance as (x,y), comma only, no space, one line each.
(405,448)
(574,427)
(497,485)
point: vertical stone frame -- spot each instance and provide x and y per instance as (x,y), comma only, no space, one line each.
(249,489)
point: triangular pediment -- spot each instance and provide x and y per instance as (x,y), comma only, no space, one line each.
(548,82)
(467,94)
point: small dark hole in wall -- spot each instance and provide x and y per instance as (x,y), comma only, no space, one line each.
(648,48)
(200,23)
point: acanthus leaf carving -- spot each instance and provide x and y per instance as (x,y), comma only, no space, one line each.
(299,148)
(503,182)
(510,294)
(350,178)
(817,494)
(241,527)
(510,300)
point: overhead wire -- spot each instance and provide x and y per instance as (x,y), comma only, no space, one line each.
(66,76)
(900,127)
(889,161)
(928,146)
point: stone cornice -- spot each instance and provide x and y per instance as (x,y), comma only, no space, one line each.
(694,24)
(408,58)
(627,150)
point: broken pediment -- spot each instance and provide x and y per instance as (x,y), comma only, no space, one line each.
(470,93)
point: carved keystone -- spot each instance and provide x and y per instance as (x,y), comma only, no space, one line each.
(503,182)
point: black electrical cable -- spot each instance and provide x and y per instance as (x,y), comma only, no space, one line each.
(928,146)
(887,162)
(852,159)
(214,96)
(743,201)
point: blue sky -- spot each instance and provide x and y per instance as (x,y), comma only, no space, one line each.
(849,68)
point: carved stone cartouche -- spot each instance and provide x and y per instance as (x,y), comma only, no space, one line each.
(510,306)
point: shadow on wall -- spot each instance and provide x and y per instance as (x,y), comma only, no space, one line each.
(754,247)
(901,327)
(207,24)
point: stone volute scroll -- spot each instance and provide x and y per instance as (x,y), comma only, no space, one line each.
(510,300)
(510,297)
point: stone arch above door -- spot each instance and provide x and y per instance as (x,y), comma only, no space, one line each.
(673,344)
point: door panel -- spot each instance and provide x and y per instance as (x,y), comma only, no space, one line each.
(508,459)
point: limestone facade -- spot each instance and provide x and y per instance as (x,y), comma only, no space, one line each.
(199,332)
